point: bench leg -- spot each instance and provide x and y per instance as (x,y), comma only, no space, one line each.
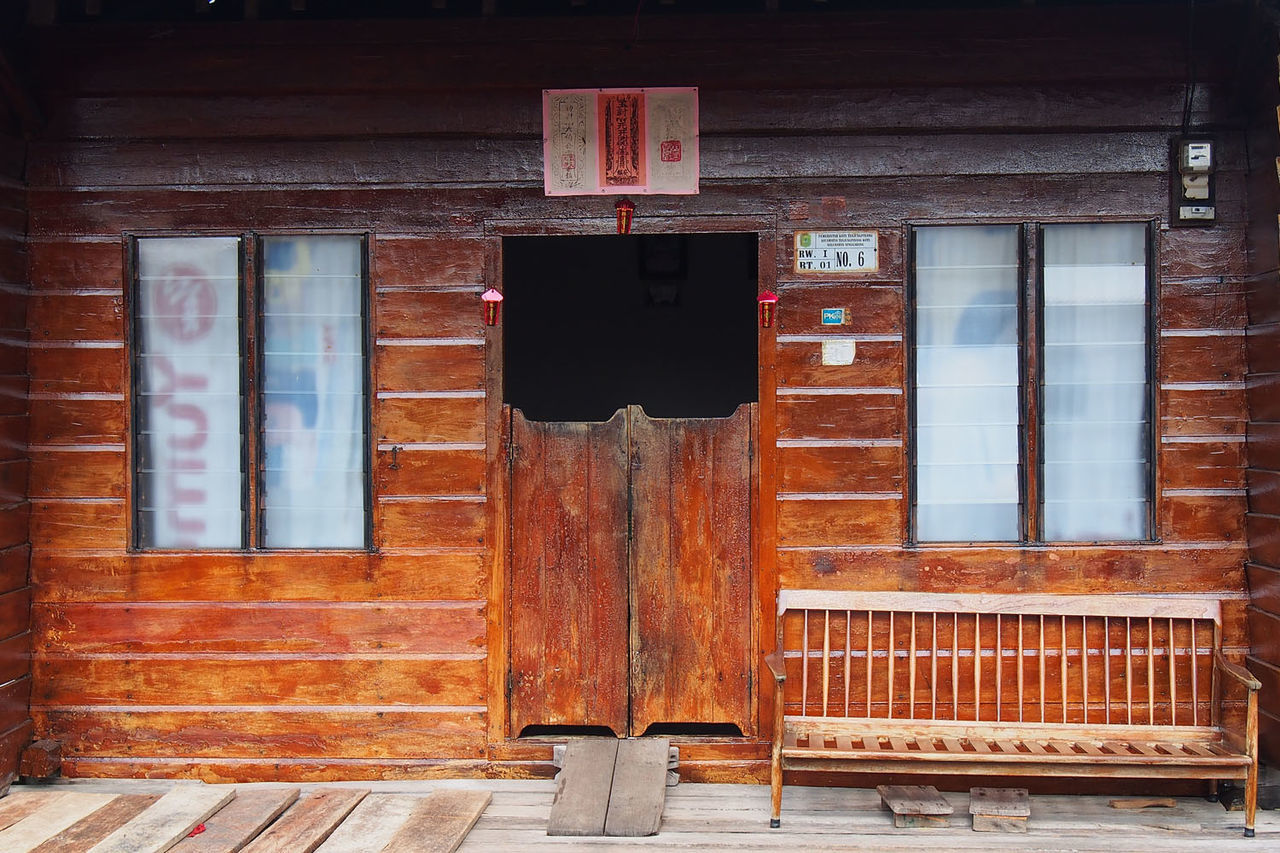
(1250,800)
(1213,791)
(775,819)
(775,785)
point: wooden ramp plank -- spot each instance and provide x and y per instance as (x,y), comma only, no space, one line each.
(440,822)
(240,821)
(167,821)
(582,787)
(371,824)
(81,836)
(304,827)
(43,824)
(639,788)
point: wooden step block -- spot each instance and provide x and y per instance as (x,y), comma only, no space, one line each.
(41,760)
(999,809)
(915,806)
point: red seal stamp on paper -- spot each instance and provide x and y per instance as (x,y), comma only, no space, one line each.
(670,151)
(568,162)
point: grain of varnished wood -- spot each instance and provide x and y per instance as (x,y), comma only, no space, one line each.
(691,579)
(569,574)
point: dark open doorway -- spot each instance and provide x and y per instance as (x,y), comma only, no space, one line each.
(593,324)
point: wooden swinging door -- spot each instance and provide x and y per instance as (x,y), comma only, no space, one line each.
(631,587)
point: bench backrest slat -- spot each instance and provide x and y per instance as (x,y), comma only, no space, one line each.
(1187,607)
(1043,659)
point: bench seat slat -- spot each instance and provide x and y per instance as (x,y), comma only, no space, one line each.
(1064,756)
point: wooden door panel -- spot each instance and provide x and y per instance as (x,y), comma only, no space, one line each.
(691,596)
(569,574)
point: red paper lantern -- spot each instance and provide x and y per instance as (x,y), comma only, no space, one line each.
(492,306)
(626,209)
(768,302)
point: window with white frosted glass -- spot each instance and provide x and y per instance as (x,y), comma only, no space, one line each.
(1096,444)
(967,401)
(189,479)
(313,397)
(200,442)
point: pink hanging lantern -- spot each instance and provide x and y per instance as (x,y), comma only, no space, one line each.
(768,302)
(492,306)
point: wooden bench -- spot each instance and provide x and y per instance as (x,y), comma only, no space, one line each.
(1010,685)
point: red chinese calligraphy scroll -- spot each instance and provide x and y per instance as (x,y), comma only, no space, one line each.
(599,141)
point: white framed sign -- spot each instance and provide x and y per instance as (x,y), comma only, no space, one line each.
(837,251)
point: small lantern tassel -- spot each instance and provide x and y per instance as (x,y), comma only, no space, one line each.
(492,306)
(626,209)
(768,302)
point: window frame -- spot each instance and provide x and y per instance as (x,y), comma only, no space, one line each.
(1031,382)
(250,330)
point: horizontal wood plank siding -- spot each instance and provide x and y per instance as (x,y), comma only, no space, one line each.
(1262,294)
(349,659)
(15,594)
(379,664)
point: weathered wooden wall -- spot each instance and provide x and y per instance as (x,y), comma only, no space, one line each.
(1263,523)
(290,665)
(15,593)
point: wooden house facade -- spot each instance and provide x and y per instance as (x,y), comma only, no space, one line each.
(578,518)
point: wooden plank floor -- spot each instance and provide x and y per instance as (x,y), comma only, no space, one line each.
(736,817)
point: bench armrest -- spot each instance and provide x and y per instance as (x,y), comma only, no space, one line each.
(774,661)
(1239,673)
